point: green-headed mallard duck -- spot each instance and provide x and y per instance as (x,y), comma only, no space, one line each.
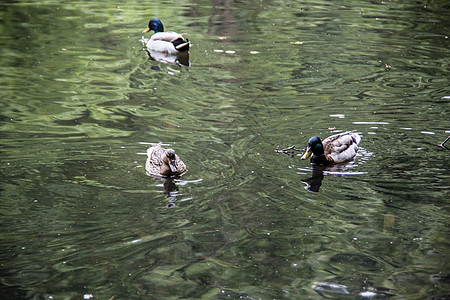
(334,149)
(163,162)
(167,42)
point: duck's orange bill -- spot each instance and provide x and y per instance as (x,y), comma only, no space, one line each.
(146,30)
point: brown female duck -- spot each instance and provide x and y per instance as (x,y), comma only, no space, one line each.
(163,162)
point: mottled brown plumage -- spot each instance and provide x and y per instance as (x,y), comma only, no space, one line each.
(163,162)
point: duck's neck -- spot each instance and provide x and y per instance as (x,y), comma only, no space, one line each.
(159,28)
(165,170)
(322,159)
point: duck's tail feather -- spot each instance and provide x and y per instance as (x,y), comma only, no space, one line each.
(356,138)
(181,45)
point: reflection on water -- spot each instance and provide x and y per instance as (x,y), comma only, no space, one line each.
(170,189)
(80,217)
(179,59)
(330,288)
(444,142)
(319,172)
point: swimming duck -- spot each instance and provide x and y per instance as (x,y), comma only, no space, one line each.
(334,149)
(163,162)
(168,42)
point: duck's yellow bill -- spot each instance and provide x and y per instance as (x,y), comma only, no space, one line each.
(146,30)
(307,154)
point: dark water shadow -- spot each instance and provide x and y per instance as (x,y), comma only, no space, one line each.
(170,188)
(314,182)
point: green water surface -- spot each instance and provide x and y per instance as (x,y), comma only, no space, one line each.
(81,101)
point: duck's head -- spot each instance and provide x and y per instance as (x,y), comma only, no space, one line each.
(314,146)
(155,25)
(170,155)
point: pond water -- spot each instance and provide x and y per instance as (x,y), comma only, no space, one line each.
(81,102)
